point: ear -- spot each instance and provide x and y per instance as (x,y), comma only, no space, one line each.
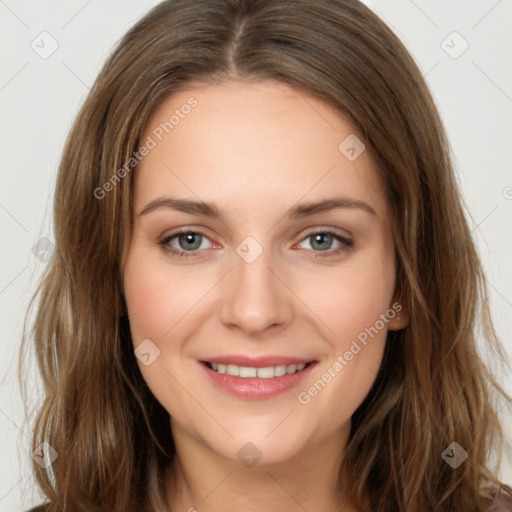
(401,309)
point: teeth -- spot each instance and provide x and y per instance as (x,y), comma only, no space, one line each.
(263,373)
(291,369)
(247,372)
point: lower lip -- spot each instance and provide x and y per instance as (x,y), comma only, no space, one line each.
(255,388)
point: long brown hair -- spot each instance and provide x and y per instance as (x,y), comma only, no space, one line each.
(112,436)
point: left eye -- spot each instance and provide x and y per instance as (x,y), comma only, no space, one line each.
(322,241)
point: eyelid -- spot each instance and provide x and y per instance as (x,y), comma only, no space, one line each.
(326,229)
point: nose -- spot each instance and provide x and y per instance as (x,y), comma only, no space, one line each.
(256,298)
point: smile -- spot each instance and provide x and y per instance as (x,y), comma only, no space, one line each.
(256,382)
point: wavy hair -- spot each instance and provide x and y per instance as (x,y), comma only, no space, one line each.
(112,437)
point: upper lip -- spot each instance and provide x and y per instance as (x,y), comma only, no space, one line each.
(256,361)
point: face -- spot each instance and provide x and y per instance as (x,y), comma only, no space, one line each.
(283,282)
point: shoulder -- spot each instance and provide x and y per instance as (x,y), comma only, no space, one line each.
(498,500)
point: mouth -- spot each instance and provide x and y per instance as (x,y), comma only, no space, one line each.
(256,380)
(266,372)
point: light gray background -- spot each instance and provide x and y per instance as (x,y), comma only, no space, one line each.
(39,98)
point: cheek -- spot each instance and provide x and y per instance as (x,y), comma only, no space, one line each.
(157,297)
(353,296)
(355,303)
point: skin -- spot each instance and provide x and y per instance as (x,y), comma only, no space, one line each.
(256,150)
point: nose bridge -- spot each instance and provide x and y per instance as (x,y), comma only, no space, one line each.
(255,298)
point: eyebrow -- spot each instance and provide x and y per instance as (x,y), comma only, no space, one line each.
(297,212)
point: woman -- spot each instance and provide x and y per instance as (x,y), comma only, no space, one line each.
(264,291)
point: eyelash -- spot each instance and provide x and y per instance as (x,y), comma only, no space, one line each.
(345,243)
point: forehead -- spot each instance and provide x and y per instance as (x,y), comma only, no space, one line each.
(260,141)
